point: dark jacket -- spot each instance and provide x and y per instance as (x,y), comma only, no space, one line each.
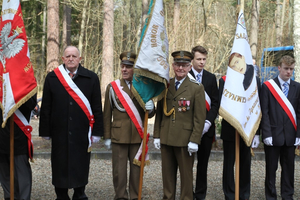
(63,120)
(209,82)
(275,122)
(20,139)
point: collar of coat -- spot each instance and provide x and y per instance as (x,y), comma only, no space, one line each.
(81,71)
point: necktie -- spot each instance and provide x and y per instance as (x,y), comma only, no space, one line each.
(198,78)
(71,75)
(285,89)
(176,85)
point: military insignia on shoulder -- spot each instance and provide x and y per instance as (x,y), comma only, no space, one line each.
(192,79)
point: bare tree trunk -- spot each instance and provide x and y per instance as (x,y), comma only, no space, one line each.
(83,20)
(297,38)
(145,8)
(66,36)
(282,19)
(254,27)
(108,46)
(277,23)
(176,21)
(44,36)
(52,35)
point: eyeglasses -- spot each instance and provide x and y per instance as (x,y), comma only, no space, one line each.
(182,65)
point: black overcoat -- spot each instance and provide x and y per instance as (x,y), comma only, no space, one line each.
(64,121)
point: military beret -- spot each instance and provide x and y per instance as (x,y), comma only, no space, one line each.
(127,58)
(182,56)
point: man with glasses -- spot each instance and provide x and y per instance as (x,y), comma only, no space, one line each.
(209,82)
(120,130)
(179,122)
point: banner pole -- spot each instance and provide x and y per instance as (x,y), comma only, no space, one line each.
(143,155)
(12,157)
(237,165)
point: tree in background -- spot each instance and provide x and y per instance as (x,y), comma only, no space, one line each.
(66,35)
(52,34)
(254,28)
(297,39)
(108,46)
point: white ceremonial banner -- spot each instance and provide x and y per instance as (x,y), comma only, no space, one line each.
(154,50)
(240,104)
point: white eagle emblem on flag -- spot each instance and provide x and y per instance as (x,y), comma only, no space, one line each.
(10,46)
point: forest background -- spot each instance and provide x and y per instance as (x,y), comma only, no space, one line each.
(102,29)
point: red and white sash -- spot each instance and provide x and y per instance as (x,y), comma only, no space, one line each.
(207,101)
(78,96)
(134,115)
(23,124)
(282,100)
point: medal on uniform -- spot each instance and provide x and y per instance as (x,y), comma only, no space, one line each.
(179,104)
(183,104)
(188,104)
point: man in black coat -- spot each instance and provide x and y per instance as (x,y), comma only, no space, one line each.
(71,115)
(211,89)
(23,175)
(279,130)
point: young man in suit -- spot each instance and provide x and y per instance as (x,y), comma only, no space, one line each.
(209,82)
(178,127)
(280,104)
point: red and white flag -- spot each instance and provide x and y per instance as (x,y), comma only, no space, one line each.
(17,76)
(240,104)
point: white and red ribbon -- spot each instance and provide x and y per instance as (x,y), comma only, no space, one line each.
(132,111)
(282,100)
(24,125)
(77,95)
(207,102)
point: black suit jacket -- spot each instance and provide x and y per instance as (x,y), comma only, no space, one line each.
(275,122)
(209,82)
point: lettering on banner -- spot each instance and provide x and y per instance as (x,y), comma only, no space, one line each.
(9,11)
(154,31)
(28,66)
(163,62)
(242,36)
(234,97)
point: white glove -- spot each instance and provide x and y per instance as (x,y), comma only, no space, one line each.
(255,141)
(206,127)
(108,143)
(156,143)
(268,141)
(297,142)
(192,147)
(149,105)
(46,138)
(96,139)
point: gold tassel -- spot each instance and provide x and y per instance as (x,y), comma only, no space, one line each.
(252,152)
(165,107)
(297,152)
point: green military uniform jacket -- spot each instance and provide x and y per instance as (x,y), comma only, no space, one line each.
(187,126)
(117,125)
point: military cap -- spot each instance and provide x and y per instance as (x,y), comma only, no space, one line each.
(182,56)
(127,58)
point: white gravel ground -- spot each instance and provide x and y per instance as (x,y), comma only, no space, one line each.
(100,185)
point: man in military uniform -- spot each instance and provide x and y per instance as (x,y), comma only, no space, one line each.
(178,127)
(121,132)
